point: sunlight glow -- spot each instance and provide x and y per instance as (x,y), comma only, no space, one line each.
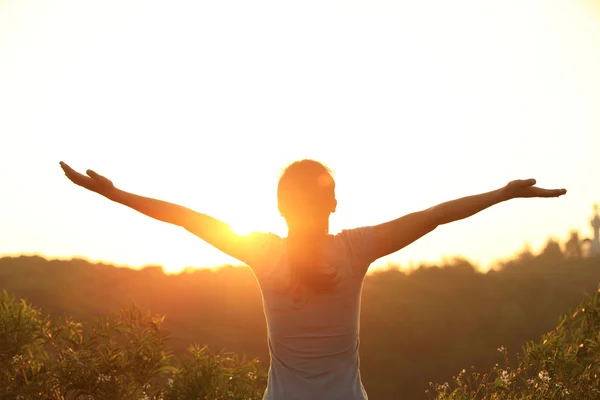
(243,229)
(204,103)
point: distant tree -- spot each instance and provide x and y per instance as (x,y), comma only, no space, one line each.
(573,247)
(552,251)
(526,253)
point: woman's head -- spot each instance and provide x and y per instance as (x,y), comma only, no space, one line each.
(306,194)
(306,198)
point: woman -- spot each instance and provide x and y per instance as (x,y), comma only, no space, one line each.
(311,281)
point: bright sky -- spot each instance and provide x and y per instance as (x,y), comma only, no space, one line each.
(203,103)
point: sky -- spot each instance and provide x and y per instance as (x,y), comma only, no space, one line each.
(203,103)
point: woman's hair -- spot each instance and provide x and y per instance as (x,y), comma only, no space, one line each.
(306,197)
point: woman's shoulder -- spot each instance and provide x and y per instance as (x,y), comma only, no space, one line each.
(358,244)
(356,238)
(265,248)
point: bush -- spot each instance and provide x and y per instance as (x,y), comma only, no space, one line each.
(119,357)
(565,364)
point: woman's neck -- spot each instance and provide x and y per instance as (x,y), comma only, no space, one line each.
(313,231)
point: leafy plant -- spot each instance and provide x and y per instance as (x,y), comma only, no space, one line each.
(122,356)
(565,364)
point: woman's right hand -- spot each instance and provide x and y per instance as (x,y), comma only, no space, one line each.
(524,188)
(92,181)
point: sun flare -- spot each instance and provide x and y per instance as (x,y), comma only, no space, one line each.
(243,228)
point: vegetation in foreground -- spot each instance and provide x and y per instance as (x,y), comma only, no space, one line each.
(123,356)
(565,364)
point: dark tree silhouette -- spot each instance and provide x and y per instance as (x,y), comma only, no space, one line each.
(573,248)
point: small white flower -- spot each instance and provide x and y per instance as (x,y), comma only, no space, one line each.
(544,377)
(170,382)
(505,377)
(501,349)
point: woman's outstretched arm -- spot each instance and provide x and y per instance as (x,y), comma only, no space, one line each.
(213,231)
(392,236)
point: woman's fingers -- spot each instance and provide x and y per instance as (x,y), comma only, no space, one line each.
(68,170)
(77,178)
(539,192)
(95,176)
(558,192)
(71,173)
(102,181)
(522,183)
(526,188)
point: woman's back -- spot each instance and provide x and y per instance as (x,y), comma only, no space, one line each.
(314,337)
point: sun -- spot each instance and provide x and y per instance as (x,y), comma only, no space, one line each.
(258,222)
(243,228)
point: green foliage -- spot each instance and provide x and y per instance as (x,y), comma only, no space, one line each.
(205,375)
(123,356)
(565,364)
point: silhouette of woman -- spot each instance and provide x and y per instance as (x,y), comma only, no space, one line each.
(311,281)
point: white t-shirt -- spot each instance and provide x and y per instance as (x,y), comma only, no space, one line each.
(314,343)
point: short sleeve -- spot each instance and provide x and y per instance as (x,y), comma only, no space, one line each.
(360,243)
(257,249)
